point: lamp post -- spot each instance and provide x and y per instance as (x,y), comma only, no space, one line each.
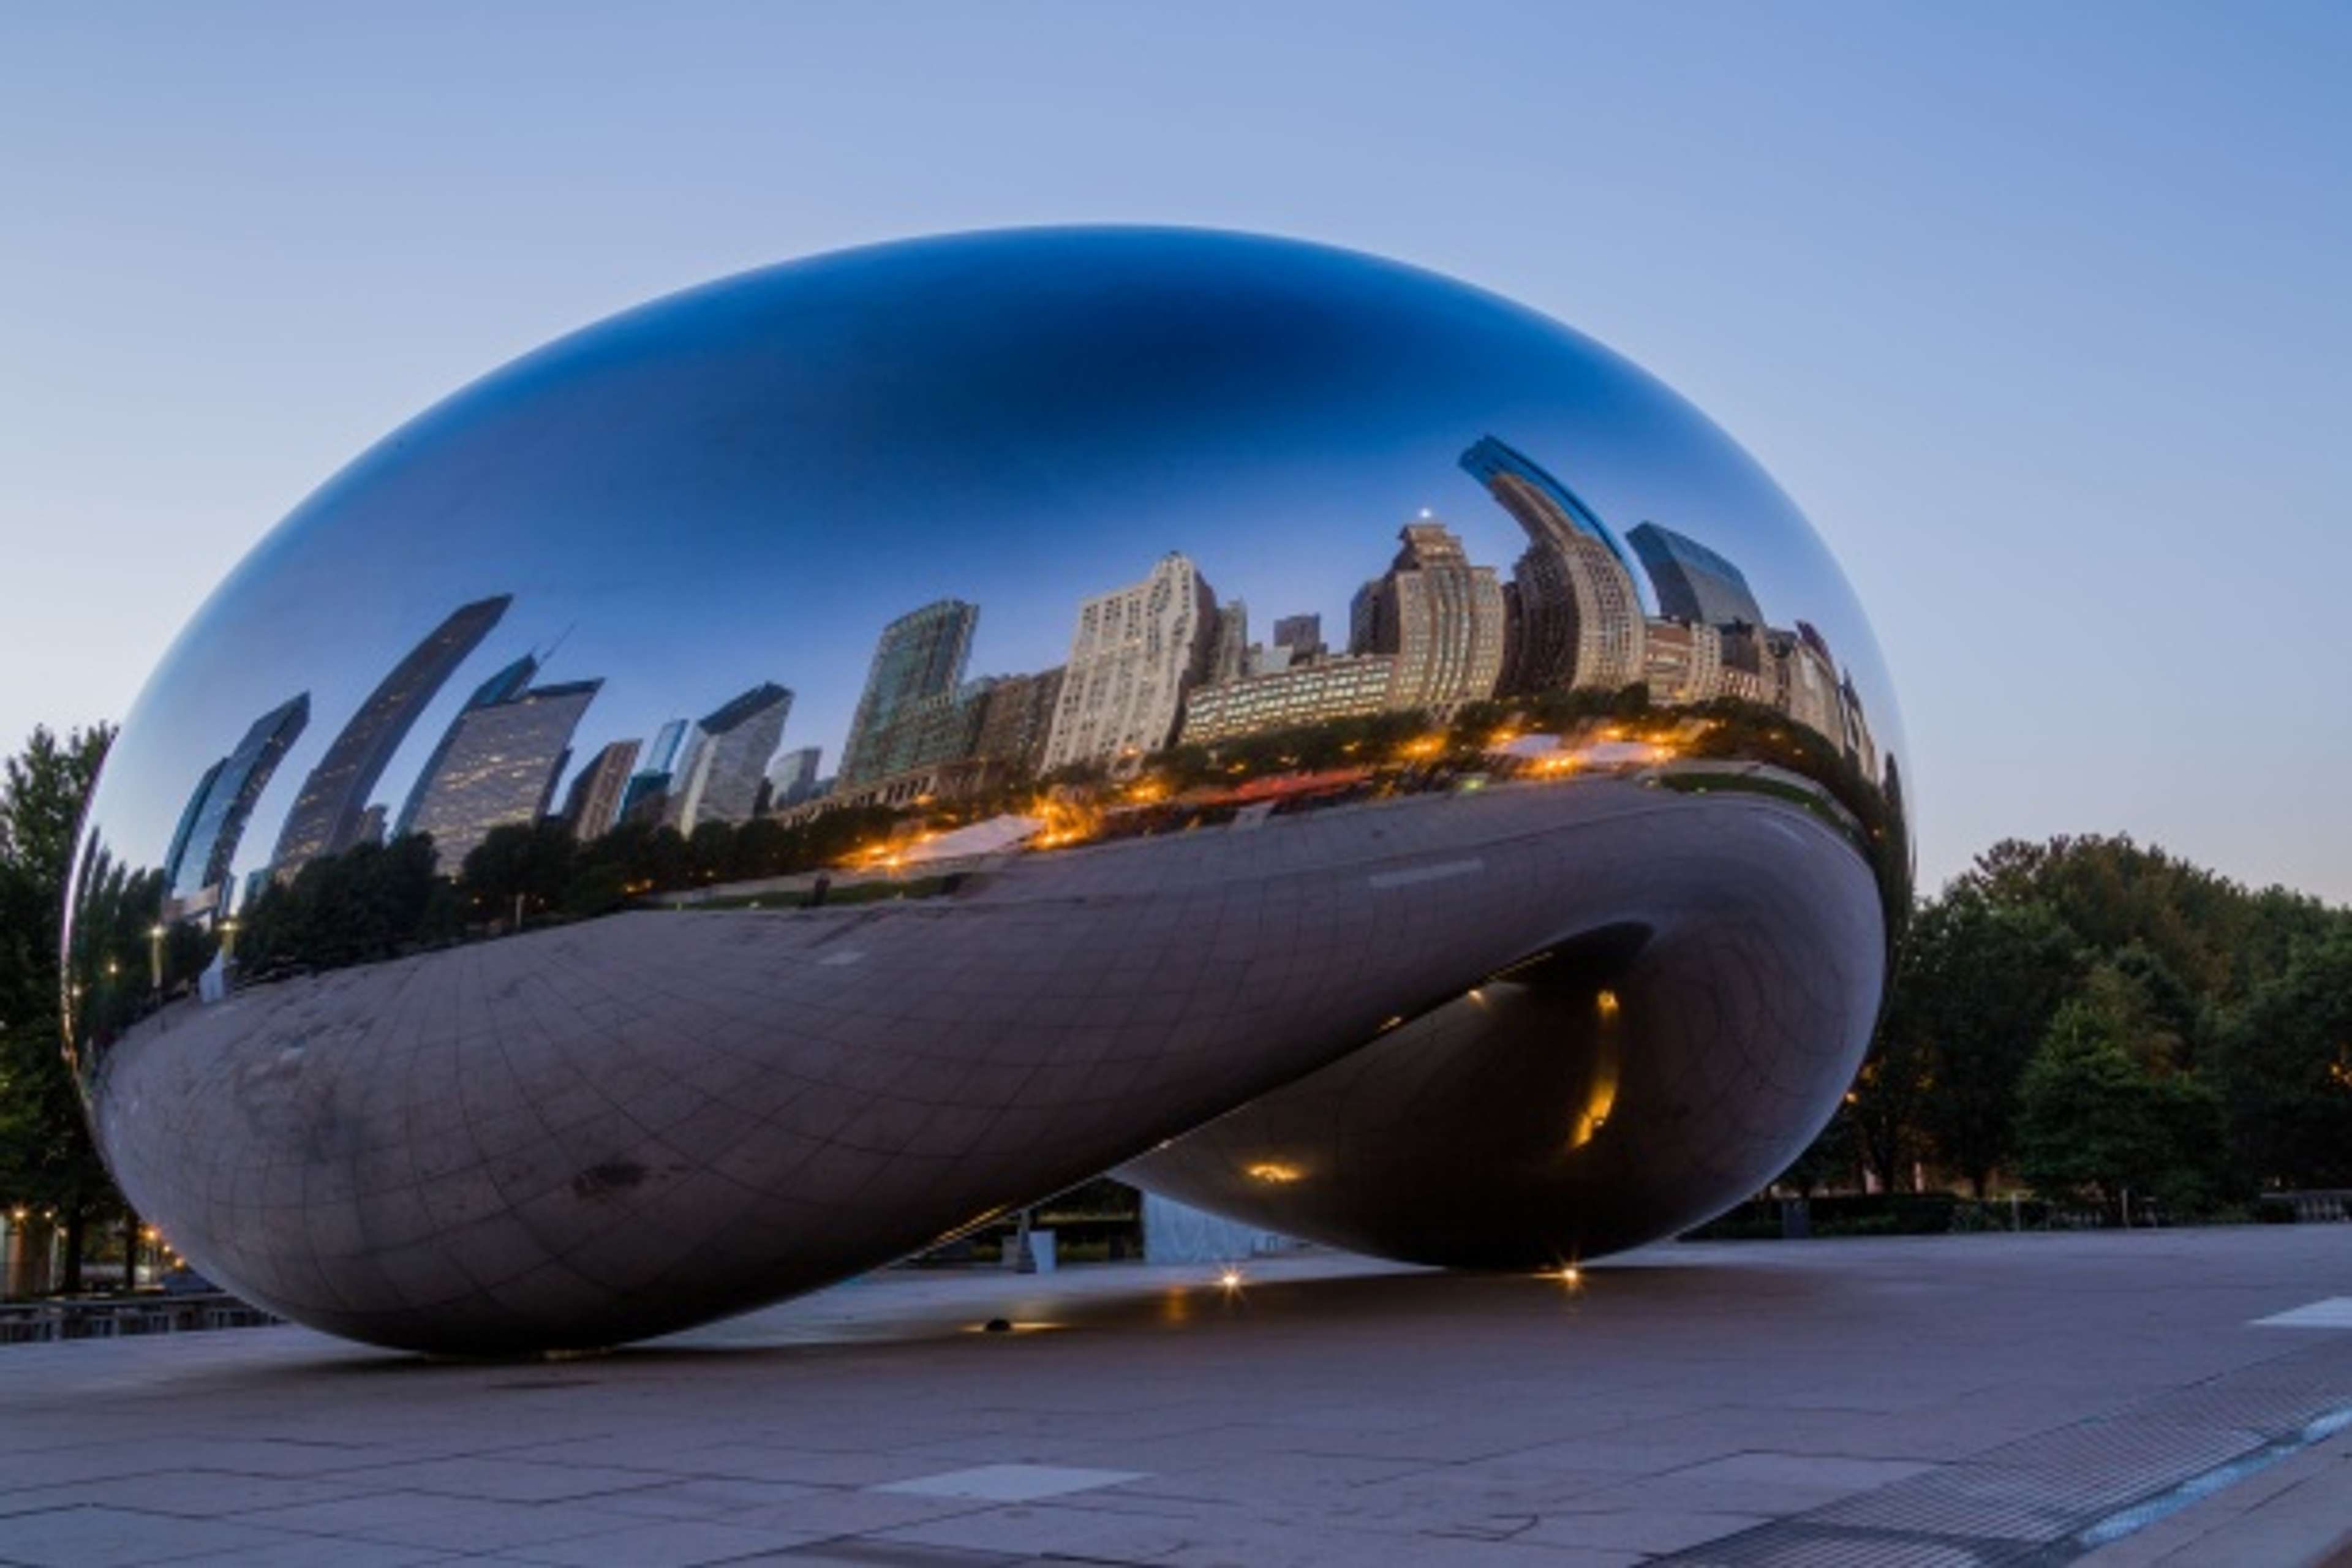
(155,957)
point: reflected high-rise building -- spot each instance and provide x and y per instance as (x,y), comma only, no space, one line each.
(1302,635)
(792,777)
(719,778)
(1228,658)
(920,656)
(1693,582)
(1443,619)
(1682,662)
(498,764)
(593,804)
(177,854)
(649,785)
(1016,718)
(325,818)
(1580,621)
(1363,612)
(213,820)
(1135,653)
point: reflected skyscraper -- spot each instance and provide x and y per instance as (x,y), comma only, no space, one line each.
(1228,658)
(214,817)
(650,783)
(1302,635)
(1682,662)
(1016,719)
(1693,582)
(920,657)
(1443,619)
(498,764)
(325,818)
(719,778)
(593,804)
(1136,651)
(792,777)
(1580,615)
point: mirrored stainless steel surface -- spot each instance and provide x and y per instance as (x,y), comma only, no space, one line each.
(793,771)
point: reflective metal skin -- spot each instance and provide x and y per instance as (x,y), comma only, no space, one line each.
(793,771)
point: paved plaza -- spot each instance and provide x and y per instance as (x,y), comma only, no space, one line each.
(1926,1402)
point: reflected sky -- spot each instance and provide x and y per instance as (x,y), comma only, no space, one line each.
(743,483)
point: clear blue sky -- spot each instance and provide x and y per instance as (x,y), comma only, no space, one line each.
(2042,314)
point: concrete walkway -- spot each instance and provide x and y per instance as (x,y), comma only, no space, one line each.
(1938,1401)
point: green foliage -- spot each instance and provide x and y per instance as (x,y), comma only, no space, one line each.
(47,1160)
(2104,1111)
(2285,1068)
(2090,1014)
(1976,988)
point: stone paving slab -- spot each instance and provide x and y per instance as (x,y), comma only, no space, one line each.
(1945,1401)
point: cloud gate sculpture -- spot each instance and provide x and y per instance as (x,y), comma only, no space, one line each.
(790,774)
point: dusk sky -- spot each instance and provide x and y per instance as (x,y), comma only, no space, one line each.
(2040,315)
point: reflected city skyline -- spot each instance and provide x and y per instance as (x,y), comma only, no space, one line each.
(1160,662)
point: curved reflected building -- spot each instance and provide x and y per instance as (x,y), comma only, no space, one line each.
(1544,910)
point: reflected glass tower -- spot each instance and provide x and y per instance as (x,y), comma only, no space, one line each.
(649,785)
(214,817)
(919,658)
(1693,582)
(1579,617)
(792,777)
(496,765)
(326,814)
(719,779)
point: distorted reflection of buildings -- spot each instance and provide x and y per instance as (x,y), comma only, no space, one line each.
(1578,617)
(917,665)
(1442,618)
(1135,653)
(648,787)
(196,868)
(792,777)
(1693,582)
(1228,661)
(1348,686)
(717,777)
(497,763)
(326,816)
(1302,635)
(1152,663)
(594,803)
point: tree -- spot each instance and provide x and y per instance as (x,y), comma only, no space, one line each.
(2101,1115)
(1979,982)
(2286,1069)
(525,867)
(47,1159)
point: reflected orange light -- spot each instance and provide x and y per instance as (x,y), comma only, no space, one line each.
(1274,1171)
